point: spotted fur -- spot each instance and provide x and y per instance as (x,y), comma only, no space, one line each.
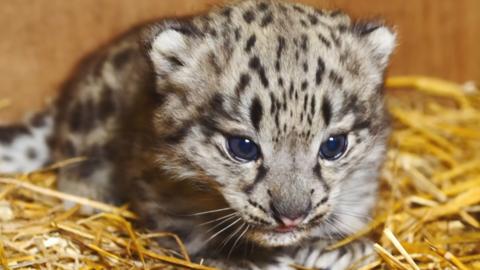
(151,113)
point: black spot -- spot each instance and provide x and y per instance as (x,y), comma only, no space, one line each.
(277,120)
(304,44)
(187,28)
(107,104)
(256,113)
(303,23)
(313,19)
(208,125)
(326,110)
(242,83)
(320,71)
(38,120)
(216,103)
(312,106)
(212,59)
(8,133)
(280,82)
(6,158)
(335,39)
(351,104)
(290,91)
(281,46)
(317,170)
(324,200)
(237,34)
(305,102)
(336,13)
(272,103)
(249,16)
(319,12)
(31,153)
(335,78)
(261,173)
(267,19)
(299,9)
(297,55)
(342,28)
(255,64)
(305,66)
(361,124)
(257,205)
(324,40)
(82,116)
(227,12)
(304,85)
(121,58)
(250,42)
(174,61)
(309,121)
(365,28)
(179,135)
(262,6)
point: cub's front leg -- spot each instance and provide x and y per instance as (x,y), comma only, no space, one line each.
(317,256)
(313,256)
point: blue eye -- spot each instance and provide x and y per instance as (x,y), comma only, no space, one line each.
(242,149)
(333,147)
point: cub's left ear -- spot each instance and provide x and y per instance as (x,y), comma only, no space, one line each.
(168,45)
(380,40)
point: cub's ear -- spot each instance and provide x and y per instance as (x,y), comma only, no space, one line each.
(378,38)
(168,43)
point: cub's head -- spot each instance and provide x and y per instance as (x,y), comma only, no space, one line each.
(279,108)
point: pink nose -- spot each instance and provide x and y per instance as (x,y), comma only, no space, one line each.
(288,222)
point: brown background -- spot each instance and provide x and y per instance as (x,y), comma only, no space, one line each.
(41,40)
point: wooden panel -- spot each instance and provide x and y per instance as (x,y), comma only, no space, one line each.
(43,39)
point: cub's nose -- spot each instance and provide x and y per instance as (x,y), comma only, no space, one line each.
(289,215)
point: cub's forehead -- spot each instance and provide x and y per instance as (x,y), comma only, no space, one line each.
(283,38)
(262,22)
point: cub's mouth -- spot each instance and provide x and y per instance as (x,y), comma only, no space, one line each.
(278,236)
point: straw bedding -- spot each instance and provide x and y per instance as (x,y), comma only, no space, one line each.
(428,215)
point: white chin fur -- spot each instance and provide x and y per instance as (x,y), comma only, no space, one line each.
(274,239)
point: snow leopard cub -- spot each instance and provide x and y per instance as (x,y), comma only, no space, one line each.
(255,132)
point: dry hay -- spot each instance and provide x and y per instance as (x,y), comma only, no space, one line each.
(427,218)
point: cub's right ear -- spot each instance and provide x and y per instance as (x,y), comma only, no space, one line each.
(380,40)
(168,44)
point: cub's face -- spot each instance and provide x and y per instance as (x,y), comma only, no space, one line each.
(279,108)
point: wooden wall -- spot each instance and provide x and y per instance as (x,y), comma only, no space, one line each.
(41,40)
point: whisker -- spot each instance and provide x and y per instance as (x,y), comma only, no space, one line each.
(210,211)
(334,229)
(222,230)
(216,219)
(236,241)
(352,214)
(347,230)
(347,192)
(224,242)
(222,222)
